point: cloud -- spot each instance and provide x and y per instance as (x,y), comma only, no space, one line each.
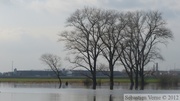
(15,34)
(53,6)
(11,34)
(171,4)
(25,45)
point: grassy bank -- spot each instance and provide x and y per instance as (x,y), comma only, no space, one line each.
(70,80)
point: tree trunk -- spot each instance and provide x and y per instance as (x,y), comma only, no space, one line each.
(132,82)
(60,82)
(142,83)
(142,79)
(111,79)
(94,80)
(136,79)
(94,74)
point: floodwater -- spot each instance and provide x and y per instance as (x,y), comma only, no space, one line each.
(27,94)
(50,92)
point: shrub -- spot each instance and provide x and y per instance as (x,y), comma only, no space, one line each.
(168,81)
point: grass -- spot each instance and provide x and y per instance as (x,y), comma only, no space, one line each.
(70,80)
(37,80)
(152,80)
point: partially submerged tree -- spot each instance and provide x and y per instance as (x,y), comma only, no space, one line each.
(94,31)
(144,31)
(127,60)
(130,37)
(112,36)
(84,38)
(54,62)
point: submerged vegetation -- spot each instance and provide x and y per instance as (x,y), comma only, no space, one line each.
(169,81)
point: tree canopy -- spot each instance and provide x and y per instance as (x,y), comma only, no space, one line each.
(129,37)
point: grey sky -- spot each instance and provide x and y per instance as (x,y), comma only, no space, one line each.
(29,28)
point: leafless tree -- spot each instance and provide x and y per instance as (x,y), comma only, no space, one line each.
(144,31)
(54,62)
(111,38)
(87,25)
(130,37)
(127,60)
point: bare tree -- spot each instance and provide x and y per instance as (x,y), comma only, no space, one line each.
(145,30)
(127,60)
(54,62)
(130,37)
(130,51)
(84,38)
(111,38)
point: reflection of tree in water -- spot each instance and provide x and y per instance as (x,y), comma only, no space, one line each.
(110,98)
(94,99)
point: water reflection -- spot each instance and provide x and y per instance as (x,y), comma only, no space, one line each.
(125,86)
(72,92)
(41,94)
(28,94)
(94,98)
(110,98)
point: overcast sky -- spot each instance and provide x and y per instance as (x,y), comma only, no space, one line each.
(29,28)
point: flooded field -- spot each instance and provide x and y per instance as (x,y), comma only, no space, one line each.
(27,94)
(50,92)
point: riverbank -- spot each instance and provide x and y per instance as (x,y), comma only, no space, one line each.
(71,80)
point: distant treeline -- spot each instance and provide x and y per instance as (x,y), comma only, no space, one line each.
(64,74)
